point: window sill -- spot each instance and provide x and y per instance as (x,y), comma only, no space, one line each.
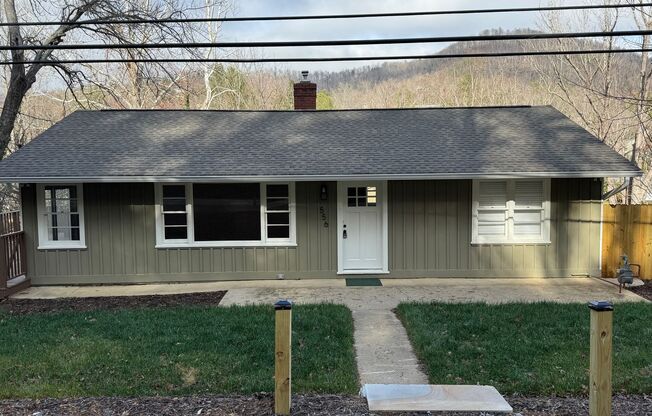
(515,242)
(62,247)
(233,244)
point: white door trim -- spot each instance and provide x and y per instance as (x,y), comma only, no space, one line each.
(341,205)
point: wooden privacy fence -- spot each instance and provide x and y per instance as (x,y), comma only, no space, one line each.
(627,229)
(12,251)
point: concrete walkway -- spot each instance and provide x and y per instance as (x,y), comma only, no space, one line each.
(77,291)
(383,351)
(384,354)
(395,291)
(392,293)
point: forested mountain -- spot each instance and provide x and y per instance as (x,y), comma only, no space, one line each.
(397,70)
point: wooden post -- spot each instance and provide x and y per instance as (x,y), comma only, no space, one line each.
(283,357)
(600,365)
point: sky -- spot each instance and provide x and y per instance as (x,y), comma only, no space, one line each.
(371,28)
(368,28)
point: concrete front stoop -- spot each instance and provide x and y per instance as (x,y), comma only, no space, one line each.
(434,398)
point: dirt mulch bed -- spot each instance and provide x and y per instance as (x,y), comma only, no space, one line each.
(302,405)
(623,405)
(259,404)
(644,291)
(27,306)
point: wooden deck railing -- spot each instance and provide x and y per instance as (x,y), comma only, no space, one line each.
(13,247)
(10,222)
(13,260)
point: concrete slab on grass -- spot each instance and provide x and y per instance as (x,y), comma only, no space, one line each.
(434,398)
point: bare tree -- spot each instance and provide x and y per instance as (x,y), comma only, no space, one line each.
(213,8)
(643,18)
(582,83)
(23,76)
(595,89)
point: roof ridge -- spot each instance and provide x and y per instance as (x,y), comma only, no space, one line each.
(312,111)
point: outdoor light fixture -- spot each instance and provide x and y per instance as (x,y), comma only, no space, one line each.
(323,193)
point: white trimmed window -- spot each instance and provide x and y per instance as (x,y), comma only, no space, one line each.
(511,211)
(175,212)
(277,212)
(60,210)
(225,215)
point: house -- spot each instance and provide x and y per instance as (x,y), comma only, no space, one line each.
(131,196)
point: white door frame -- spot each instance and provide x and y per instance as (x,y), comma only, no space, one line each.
(341,206)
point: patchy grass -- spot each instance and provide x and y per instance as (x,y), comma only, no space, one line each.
(172,351)
(533,349)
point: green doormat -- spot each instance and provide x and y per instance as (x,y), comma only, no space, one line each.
(363,281)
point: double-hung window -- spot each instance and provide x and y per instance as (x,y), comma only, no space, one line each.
(60,216)
(174,212)
(511,211)
(277,212)
(225,214)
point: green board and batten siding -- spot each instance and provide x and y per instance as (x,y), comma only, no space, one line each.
(429,235)
(120,236)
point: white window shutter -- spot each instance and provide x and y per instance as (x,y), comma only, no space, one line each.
(528,208)
(493,194)
(492,208)
(528,194)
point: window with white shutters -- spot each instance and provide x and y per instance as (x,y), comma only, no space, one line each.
(511,211)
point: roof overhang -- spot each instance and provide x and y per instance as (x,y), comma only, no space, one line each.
(309,178)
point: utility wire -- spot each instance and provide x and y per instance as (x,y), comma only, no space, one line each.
(335,59)
(345,42)
(327,16)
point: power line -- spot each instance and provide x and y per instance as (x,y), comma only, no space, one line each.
(334,59)
(328,16)
(345,42)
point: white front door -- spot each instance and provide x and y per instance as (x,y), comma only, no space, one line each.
(362,240)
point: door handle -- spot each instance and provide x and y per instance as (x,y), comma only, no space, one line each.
(344,232)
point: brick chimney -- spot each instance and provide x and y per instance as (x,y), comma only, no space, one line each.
(305,94)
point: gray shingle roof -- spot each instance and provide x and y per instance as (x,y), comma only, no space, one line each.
(432,142)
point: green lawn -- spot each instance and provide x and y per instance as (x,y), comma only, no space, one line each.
(173,351)
(527,348)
